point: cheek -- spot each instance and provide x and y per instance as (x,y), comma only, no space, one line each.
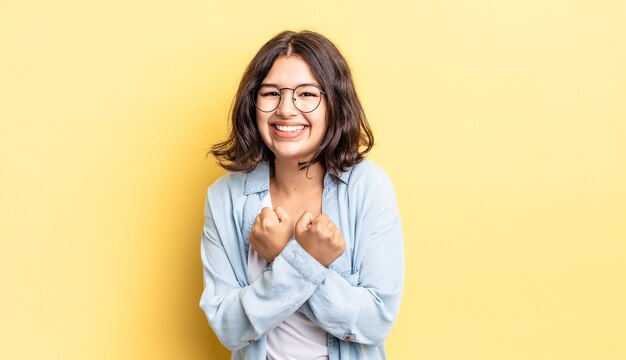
(322,124)
(262,126)
(261,121)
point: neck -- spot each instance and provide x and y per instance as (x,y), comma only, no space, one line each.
(287,177)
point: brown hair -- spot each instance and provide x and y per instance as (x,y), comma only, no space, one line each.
(347,127)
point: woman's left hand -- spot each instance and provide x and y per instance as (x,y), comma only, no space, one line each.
(320,237)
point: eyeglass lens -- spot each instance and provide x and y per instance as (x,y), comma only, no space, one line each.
(306,98)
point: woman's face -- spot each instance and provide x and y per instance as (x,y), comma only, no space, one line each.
(289,133)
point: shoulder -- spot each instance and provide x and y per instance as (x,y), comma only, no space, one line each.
(229,181)
(367,174)
(368,186)
(371,195)
(233,187)
(226,186)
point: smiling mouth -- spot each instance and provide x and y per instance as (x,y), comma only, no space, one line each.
(289,128)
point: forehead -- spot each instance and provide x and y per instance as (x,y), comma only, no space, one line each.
(290,71)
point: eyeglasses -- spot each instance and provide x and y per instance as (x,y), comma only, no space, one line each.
(306,97)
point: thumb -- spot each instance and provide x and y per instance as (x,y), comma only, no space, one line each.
(305,221)
(283,215)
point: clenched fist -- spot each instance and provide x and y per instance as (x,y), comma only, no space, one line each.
(271,232)
(319,237)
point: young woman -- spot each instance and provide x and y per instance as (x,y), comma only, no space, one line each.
(302,242)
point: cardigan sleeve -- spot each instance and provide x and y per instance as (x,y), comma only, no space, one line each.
(241,313)
(363,307)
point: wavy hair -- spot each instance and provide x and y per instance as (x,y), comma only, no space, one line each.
(348,135)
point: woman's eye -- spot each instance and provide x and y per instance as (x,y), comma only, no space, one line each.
(305,94)
(270,93)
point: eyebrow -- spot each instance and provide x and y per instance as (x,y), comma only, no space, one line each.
(276,85)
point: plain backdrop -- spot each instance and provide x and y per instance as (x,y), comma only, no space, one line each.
(501,123)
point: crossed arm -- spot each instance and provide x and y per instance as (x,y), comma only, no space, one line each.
(364,309)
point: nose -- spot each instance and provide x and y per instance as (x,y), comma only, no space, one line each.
(287,107)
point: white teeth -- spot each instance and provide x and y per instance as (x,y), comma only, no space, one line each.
(289,128)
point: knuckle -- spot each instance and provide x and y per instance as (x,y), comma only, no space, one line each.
(338,242)
(267,221)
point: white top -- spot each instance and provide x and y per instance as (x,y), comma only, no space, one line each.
(297,337)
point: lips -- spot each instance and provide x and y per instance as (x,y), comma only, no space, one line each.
(289,128)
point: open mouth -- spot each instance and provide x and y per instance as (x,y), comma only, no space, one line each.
(289,128)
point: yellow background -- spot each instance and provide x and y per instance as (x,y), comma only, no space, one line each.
(502,124)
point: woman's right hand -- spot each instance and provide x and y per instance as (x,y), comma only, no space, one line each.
(320,237)
(271,232)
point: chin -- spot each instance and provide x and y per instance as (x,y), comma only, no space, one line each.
(292,156)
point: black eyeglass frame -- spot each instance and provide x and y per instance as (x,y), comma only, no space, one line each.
(280,97)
